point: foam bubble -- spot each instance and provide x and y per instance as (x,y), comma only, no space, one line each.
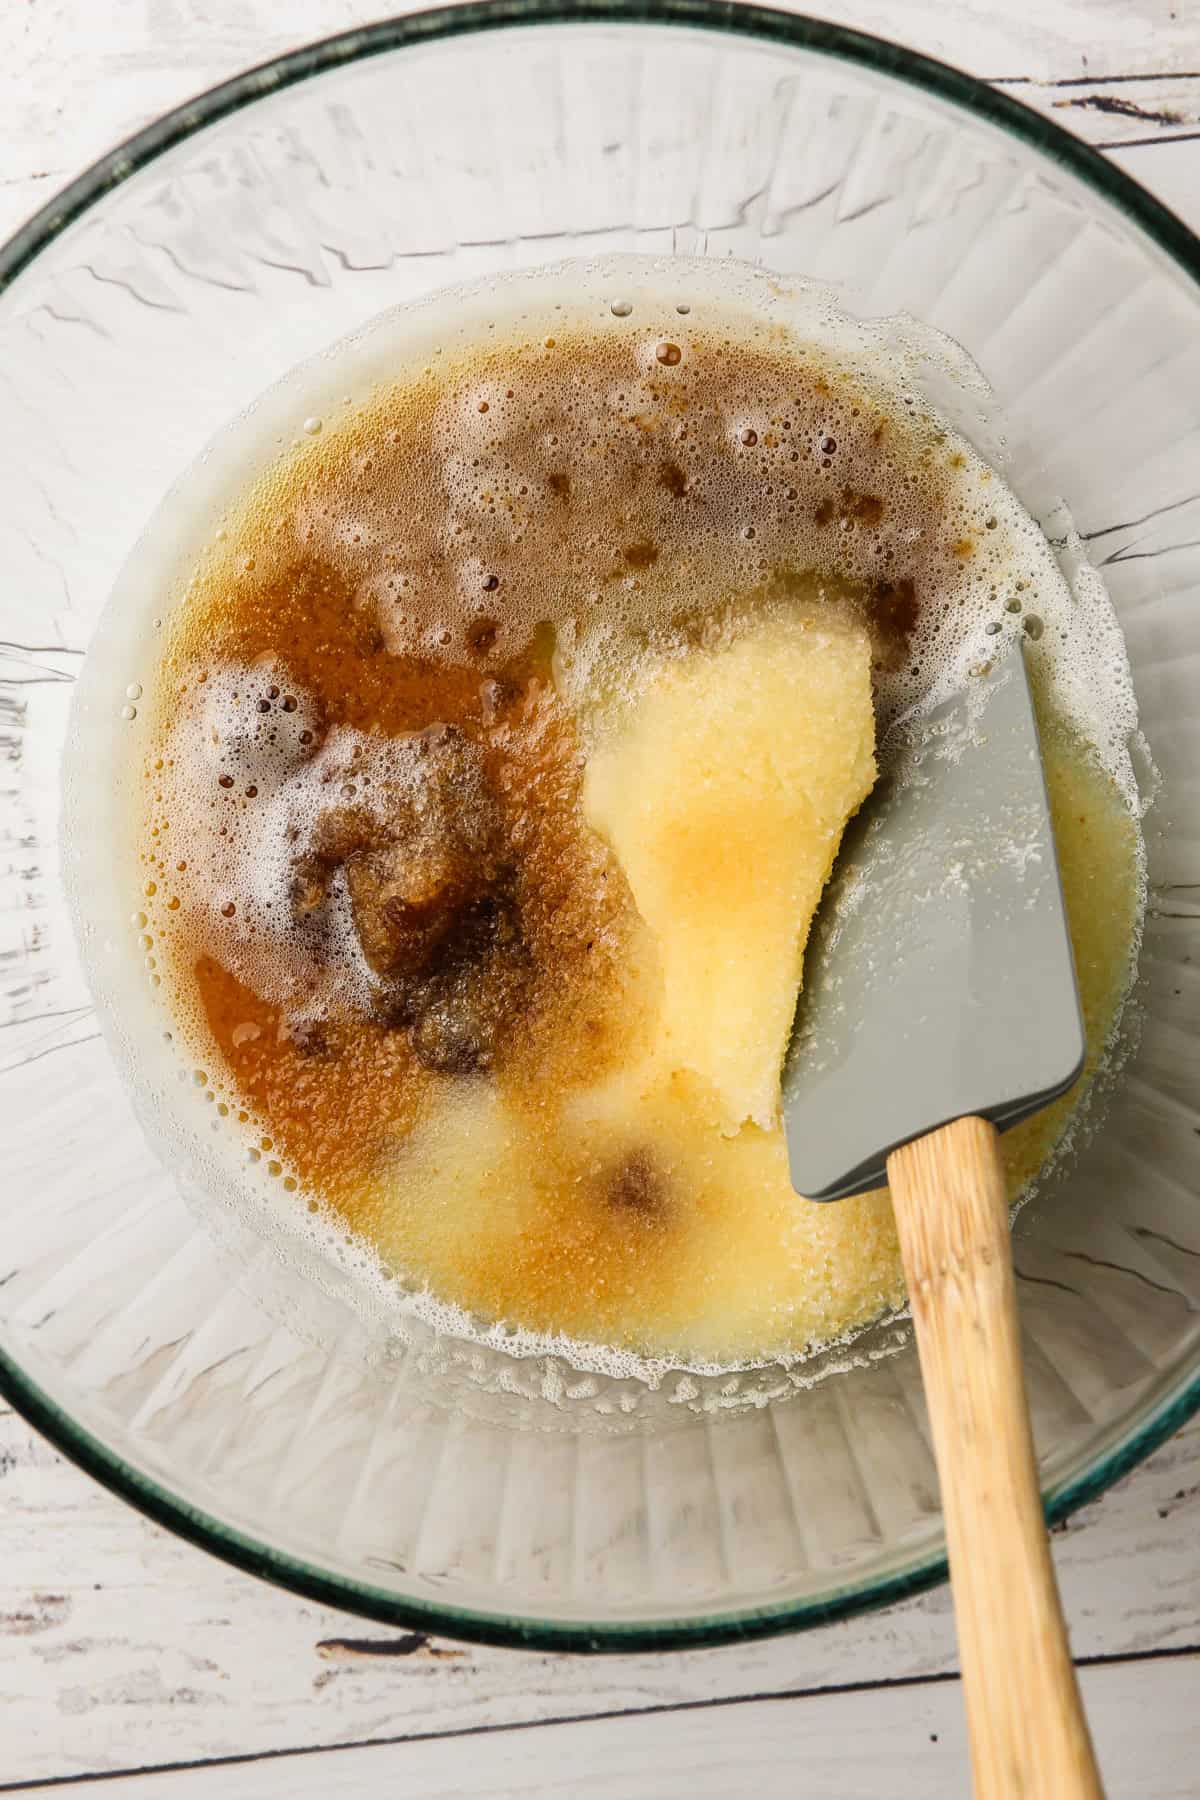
(620,477)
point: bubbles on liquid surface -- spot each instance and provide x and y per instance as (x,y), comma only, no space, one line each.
(500,459)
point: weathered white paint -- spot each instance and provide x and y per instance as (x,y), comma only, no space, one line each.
(1171,171)
(856,1746)
(121,1648)
(1136,110)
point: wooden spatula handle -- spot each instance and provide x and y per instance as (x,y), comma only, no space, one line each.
(1029,1736)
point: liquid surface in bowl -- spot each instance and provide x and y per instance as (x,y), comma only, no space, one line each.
(499,747)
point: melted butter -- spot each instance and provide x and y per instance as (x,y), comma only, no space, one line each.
(576,1183)
(719,1260)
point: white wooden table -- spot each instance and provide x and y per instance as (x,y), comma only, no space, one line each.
(128,1656)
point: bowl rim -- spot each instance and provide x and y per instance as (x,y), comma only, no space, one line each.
(1178,1400)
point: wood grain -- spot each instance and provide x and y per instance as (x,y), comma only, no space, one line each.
(895,1741)
(1029,1737)
(1132,111)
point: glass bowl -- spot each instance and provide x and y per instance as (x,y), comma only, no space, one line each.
(429,1482)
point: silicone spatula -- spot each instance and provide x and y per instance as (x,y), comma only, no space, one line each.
(939,1008)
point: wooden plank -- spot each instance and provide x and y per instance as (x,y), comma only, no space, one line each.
(1171,171)
(1132,110)
(853,1745)
(121,1646)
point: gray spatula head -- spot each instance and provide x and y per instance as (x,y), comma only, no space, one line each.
(939,979)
